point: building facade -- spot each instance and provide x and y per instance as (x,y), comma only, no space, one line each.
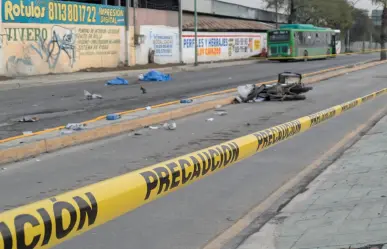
(246,9)
(377,17)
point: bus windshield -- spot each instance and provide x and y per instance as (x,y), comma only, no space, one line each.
(279,35)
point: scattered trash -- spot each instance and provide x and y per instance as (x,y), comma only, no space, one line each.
(170,126)
(259,99)
(27,133)
(29,119)
(37,159)
(218,106)
(3,168)
(221,113)
(117,81)
(148,108)
(90,96)
(113,116)
(137,134)
(210,119)
(143,90)
(155,76)
(248,124)
(66,132)
(186,101)
(153,127)
(75,126)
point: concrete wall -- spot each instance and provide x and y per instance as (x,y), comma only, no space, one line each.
(160,31)
(41,37)
(163,40)
(223,46)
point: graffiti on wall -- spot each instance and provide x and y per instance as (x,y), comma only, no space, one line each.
(49,47)
(49,36)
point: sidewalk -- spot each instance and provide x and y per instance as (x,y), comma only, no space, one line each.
(345,207)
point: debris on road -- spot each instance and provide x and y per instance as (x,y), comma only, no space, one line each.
(143,90)
(66,132)
(288,87)
(28,119)
(221,113)
(154,76)
(113,116)
(75,126)
(27,133)
(117,81)
(148,108)
(153,127)
(186,101)
(218,106)
(90,96)
(210,119)
(137,134)
(170,126)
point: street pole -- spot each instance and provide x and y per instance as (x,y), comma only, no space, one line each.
(196,31)
(276,14)
(180,33)
(127,33)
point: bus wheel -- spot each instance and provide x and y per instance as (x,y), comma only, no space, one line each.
(306,56)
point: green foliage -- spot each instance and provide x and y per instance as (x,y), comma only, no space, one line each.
(362,26)
(329,13)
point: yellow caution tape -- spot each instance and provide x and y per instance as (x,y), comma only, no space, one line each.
(49,222)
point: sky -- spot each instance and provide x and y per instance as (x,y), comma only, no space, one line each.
(365,4)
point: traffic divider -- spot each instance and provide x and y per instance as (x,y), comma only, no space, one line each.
(49,222)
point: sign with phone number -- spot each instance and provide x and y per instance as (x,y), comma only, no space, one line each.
(44,11)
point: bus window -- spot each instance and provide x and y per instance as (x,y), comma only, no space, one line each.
(279,36)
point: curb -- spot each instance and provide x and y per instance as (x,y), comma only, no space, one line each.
(25,151)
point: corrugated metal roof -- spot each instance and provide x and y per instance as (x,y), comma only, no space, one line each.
(219,23)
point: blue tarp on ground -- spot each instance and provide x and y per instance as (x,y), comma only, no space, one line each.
(117,81)
(156,76)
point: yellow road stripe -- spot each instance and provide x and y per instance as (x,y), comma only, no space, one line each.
(157,106)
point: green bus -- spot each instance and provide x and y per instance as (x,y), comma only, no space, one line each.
(300,42)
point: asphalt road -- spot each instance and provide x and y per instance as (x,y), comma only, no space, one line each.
(190,217)
(64,103)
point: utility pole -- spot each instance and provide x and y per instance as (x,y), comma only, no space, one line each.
(127,33)
(180,33)
(196,31)
(276,14)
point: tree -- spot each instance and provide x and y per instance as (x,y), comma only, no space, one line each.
(331,13)
(383,29)
(362,26)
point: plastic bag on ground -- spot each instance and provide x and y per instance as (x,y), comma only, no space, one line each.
(155,76)
(245,90)
(117,81)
